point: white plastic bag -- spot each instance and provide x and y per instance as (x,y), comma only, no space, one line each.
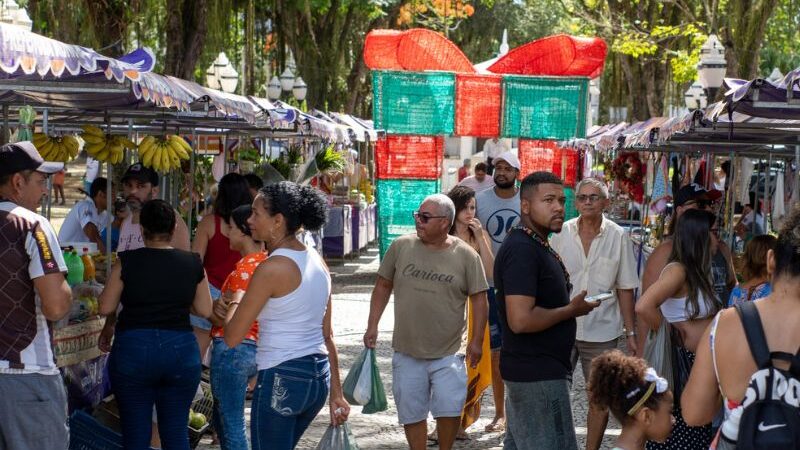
(363,390)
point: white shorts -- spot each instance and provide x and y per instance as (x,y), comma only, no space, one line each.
(422,386)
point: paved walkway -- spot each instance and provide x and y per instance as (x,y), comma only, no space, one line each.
(352,285)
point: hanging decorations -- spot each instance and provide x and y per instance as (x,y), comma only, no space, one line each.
(628,171)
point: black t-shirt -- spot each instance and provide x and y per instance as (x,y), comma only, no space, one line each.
(525,267)
(159,286)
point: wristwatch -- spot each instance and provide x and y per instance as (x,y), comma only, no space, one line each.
(629,333)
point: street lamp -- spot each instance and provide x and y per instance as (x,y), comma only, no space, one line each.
(221,75)
(287,83)
(274,88)
(695,97)
(776,75)
(12,14)
(300,89)
(711,70)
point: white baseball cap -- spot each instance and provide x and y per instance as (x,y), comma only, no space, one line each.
(508,157)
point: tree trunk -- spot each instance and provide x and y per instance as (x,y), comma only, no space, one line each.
(744,33)
(186,32)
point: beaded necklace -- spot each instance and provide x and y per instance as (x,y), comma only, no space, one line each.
(538,239)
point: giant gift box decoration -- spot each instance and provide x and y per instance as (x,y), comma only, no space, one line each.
(425,88)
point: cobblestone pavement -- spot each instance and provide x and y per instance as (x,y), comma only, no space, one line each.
(352,285)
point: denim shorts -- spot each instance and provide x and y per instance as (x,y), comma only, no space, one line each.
(422,386)
(539,416)
(201,322)
(495,329)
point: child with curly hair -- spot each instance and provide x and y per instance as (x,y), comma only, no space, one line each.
(636,395)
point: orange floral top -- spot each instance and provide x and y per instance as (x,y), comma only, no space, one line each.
(238,280)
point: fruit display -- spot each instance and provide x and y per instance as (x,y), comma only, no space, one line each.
(56,148)
(164,154)
(105,147)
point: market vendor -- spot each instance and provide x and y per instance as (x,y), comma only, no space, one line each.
(89,217)
(140,184)
(35,291)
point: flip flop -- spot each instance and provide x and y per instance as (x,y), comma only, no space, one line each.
(496,426)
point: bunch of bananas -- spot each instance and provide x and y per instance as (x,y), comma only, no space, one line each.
(58,148)
(105,147)
(164,154)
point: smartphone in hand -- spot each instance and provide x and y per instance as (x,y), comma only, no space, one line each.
(597,298)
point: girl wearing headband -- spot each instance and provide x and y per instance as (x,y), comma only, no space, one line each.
(636,395)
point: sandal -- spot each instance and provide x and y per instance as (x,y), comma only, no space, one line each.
(497,425)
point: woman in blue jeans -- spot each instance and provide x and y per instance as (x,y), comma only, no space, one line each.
(289,295)
(231,368)
(155,359)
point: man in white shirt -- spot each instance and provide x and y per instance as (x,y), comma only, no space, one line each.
(491,150)
(478,182)
(599,257)
(92,170)
(88,218)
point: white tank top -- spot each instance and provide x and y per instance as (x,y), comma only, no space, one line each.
(674,308)
(130,235)
(290,327)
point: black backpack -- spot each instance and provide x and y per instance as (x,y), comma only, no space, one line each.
(771,415)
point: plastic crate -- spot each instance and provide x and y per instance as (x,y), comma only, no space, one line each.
(544,107)
(421,103)
(478,105)
(86,433)
(397,201)
(412,157)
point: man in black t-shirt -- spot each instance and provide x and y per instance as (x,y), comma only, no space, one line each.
(538,322)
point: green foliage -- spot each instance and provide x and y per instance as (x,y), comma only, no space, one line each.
(329,160)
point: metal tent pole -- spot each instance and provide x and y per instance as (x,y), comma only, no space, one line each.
(731,201)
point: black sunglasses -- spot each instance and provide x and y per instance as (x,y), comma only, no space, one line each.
(425,217)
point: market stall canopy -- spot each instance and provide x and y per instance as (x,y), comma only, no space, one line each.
(760,97)
(362,132)
(27,55)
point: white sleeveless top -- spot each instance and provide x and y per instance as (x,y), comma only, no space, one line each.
(674,308)
(290,327)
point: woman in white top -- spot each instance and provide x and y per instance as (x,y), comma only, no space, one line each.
(289,295)
(684,296)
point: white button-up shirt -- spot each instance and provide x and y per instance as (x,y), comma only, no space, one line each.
(610,265)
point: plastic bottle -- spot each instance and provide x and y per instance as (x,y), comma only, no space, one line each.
(730,431)
(88,265)
(74,268)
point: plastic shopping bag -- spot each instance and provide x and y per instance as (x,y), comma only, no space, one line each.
(354,377)
(377,399)
(338,438)
(363,385)
(658,351)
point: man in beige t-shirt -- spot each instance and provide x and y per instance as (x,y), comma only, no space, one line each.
(432,274)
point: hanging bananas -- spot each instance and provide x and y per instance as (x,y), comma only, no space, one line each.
(105,147)
(164,154)
(56,148)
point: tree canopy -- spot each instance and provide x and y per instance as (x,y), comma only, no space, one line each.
(654,44)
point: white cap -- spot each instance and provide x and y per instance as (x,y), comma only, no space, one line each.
(508,157)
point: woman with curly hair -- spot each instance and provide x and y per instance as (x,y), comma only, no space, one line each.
(637,397)
(290,296)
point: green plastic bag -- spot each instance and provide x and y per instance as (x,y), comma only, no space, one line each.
(363,385)
(338,438)
(377,401)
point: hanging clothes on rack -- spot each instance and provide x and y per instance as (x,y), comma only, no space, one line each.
(778,205)
(743,184)
(662,191)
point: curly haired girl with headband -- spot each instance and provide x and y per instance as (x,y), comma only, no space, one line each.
(636,395)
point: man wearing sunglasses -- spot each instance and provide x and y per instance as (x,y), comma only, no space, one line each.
(691,196)
(599,257)
(431,274)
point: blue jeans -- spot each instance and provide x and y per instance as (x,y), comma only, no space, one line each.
(161,367)
(286,400)
(539,416)
(231,368)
